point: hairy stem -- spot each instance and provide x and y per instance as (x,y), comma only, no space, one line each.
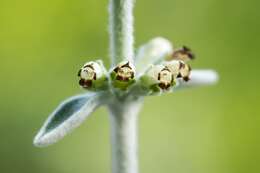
(121,30)
(123,114)
(124,117)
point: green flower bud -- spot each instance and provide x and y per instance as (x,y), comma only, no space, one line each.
(158,78)
(93,75)
(123,75)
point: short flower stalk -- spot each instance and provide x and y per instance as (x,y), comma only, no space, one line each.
(157,68)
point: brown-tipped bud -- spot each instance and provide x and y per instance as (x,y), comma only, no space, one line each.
(123,75)
(184,71)
(166,78)
(179,69)
(158,76)
(92,75)
(124,71)
(174,66)
(184,54)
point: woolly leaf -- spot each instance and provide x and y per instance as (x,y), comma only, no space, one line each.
(198,78)
(69,115)
(153,52)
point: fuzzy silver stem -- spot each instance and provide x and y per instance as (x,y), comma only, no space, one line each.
(124,117)
(121,30)
(123,114)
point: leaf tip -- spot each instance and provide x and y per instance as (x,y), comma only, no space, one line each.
(209,76)
(42,140)
(37,141)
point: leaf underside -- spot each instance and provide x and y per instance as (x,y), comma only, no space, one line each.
(65,111)
(69,115)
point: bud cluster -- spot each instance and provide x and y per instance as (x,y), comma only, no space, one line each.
(158,78)
(163,76)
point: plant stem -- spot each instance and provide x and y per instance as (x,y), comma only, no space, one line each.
(124,117)
(123,114)
(121,30)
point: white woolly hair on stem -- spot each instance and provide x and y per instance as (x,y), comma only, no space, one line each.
(121,30)
(124,122)
(123,114)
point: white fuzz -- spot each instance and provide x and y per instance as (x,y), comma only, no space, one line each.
(199,78)
(160,46)
(121,30)
(153,52)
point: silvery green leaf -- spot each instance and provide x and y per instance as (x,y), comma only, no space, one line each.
(69,115)
(198,78)
(153,52)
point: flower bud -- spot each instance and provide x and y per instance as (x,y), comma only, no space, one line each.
(174,66)
(157,78)
(179,69)
(93,75)
(123,75)
(184,54)
(185,70)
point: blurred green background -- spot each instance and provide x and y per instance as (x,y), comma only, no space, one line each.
(204,130)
